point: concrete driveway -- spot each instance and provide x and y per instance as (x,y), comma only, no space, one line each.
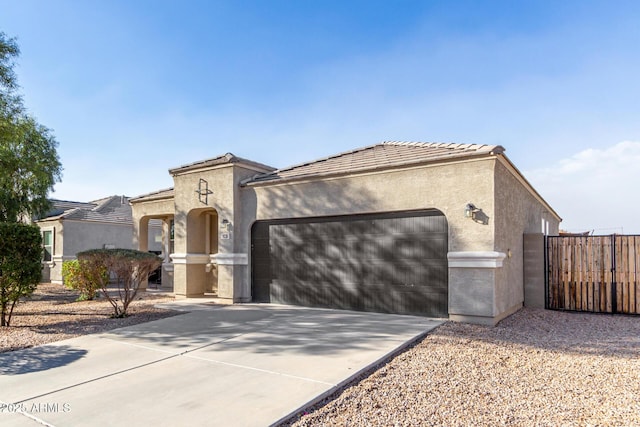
(244,365)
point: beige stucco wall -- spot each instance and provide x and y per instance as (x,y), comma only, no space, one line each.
(518,211)
(150,238)
(534,270)
(447,187)
(84,235)
(71,237)
(195,269)
(477,292)
(52,270)
(507,210)
(220,182)
(191,216)
(160,209)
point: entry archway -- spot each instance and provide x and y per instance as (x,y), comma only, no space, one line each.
(202,244)
(154,233)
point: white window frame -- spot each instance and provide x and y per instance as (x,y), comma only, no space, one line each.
(52,245)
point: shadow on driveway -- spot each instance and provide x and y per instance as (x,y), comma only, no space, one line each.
(270,329)
(38,359)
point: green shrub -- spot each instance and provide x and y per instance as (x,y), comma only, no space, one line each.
(128,266)
(20,265)
(85,280)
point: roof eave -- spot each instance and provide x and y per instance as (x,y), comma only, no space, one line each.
(224,160)
(151,198)
(530,187)
(100,221)
(454,158)
(155,195)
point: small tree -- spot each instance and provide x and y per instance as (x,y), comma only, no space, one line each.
(86,280)
(128,266)
(29,162)
(20,267)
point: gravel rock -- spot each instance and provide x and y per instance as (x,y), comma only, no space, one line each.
(537,367)
(53,314)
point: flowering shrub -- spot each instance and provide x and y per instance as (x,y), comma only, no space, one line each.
(85,280)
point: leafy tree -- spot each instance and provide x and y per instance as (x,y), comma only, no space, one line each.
(20,269)
(29,162)
(8,82)
(128,266)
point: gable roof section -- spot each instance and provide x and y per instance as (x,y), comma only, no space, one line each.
(167,193)
(385,155)
(58,207)
(114,209)
(217,161)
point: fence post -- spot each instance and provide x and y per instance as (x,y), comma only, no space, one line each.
(546,271)
(614,284)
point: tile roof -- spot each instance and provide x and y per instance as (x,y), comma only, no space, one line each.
(216,161)
(114,209)
(154,195)
(384,155)
(58,207)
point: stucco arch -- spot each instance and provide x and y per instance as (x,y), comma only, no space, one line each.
(196,270)
(202,231)
(150,234)
(159,240)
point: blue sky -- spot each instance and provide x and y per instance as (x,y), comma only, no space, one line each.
(133,88)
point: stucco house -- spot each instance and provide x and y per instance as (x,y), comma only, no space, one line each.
(71,227)
(433,229)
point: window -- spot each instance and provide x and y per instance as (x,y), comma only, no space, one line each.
(47,245)
(545,227)
(171,236)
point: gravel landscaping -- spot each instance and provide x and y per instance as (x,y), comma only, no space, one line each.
(537,367)
(53,314)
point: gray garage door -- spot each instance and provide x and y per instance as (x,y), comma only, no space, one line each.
(391,263)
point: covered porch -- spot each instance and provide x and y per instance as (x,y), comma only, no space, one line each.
(188,248)
(149,211)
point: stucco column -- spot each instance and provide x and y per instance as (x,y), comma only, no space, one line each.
(167,265)
(472,286)
(534,280)
(142,234)
(230,267)
(143,243)
(189,273)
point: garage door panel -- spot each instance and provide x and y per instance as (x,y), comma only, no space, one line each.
(394,263)
(384,299)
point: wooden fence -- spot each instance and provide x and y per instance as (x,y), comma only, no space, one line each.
(593,273)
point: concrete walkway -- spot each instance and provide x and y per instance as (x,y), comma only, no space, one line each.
(240,365)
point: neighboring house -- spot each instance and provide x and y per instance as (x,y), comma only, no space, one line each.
(72,227)
(412,228)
